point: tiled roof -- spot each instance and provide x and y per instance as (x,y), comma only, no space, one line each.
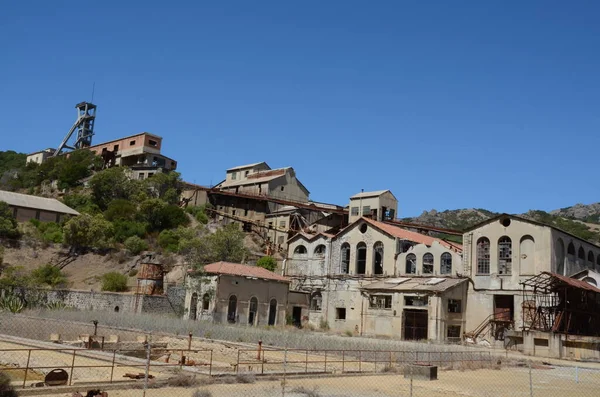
(35,202)
(416,284)
(369,194)
(237,269)
(411,236)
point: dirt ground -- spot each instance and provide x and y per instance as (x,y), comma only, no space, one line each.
(485,383)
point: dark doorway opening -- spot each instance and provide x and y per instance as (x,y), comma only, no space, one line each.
(297,316)
(504,307)
(232,309)
(415,324)
(272,311)
(253,310)
(193,306)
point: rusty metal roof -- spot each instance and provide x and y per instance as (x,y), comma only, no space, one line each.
(549,282)
(237,269)
(416,284)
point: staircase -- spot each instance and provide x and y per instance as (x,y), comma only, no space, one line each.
(492,327)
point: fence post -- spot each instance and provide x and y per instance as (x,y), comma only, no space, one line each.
(411,382)
(210,364)
(390,359)
(530,382)
(343,360)
(112,368)
(325,362)
(576,374)
(237,366)
(360,361)
(306,363)
(72,366)
(26,368)
(147,367)
(284,371)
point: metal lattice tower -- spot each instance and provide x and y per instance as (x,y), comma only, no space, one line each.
(84,125)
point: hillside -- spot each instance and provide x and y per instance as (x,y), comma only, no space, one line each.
(581,220)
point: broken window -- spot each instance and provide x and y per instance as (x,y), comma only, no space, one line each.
(300,250)
(315,301)
(141,176)
(205,302)
(361,258)
(320,250)
(504,255)
(378,258)
(345,258)
(415,301)
(581,253)
(454,306)
(453,332)
(411,264)
(340,313)
(152,142)
(131,143)
(428,263)
(282,224)
(366,210)
(246,173)
(233,176)
(571,249)
(483,256)
(354,211)
(446,263)
(380,302)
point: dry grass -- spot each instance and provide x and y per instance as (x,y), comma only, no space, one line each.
(307,392)
(245,378)
(183,380)
(202,393)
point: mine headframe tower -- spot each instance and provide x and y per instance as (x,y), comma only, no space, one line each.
(84,125)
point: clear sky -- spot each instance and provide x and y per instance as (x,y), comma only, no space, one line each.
(450,104)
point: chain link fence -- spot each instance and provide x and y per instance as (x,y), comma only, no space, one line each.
(80,358)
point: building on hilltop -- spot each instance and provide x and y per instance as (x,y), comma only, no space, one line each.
(26,207)
(379,205)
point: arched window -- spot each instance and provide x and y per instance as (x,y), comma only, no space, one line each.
(205,301)
(300,250)
(320,250)
(273,312)
(483,256)
(559,256)
(316,301)
(446,263)
(345,258)
(581,254)
(411,264)
(428,263)
(504,255)
(378,258)
(193,306)
(252,311)
(571,249)
(591,258)
(232,309)
(527,252)
(361,258)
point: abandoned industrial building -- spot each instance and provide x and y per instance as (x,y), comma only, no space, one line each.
(26,207)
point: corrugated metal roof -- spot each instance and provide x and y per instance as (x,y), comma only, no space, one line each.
(35,202)
(416,284)
(247,166)
(375,193)
(573,282)
(257,177)
(237,269)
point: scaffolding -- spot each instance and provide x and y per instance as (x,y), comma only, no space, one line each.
(84,125)
(560,304)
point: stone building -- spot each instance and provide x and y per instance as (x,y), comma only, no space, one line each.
(337,270)
(380,205)
(236,293)
(505,250)
(26,207)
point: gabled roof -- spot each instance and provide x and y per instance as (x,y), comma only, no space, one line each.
(415,284)
(257,177)
(239,167)
(519,218)
(404,234)
(35,202)
(376,193)
(237,269)
(310,237)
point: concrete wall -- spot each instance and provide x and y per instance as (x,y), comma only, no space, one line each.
(554,345)
(387,200)
(242,173)
(25,214)
(568,264)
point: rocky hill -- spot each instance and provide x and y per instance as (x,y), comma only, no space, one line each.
(580,220)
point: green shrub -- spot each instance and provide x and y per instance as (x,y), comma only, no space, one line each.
(87,231)
(168,240)
(135,245)
(124,229)
(120,209)
(48,275)
(267,262)
(11,303)
(114,282)
(132,273)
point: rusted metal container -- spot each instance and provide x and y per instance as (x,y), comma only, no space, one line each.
(150,279)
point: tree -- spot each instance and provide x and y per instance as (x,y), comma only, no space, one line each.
(114,282)
(48,275)
(81,203)
(267,262)
(160,216)
(8,223)
(87,231)
(226,244)
(112,184)
(166,186)
(120,209)
(135,245)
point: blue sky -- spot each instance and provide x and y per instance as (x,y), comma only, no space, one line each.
(448,104)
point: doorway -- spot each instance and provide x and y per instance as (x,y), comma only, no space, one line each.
(193,306)
(272,311)
(415,324)
(297,316)
(232,309)
(504,307)
(252,311)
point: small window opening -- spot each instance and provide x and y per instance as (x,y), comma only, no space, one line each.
(363,228)
(117,309)
(505,222)
(380,302)
(454,306)
(152,142)
(340,313)
(131,143)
